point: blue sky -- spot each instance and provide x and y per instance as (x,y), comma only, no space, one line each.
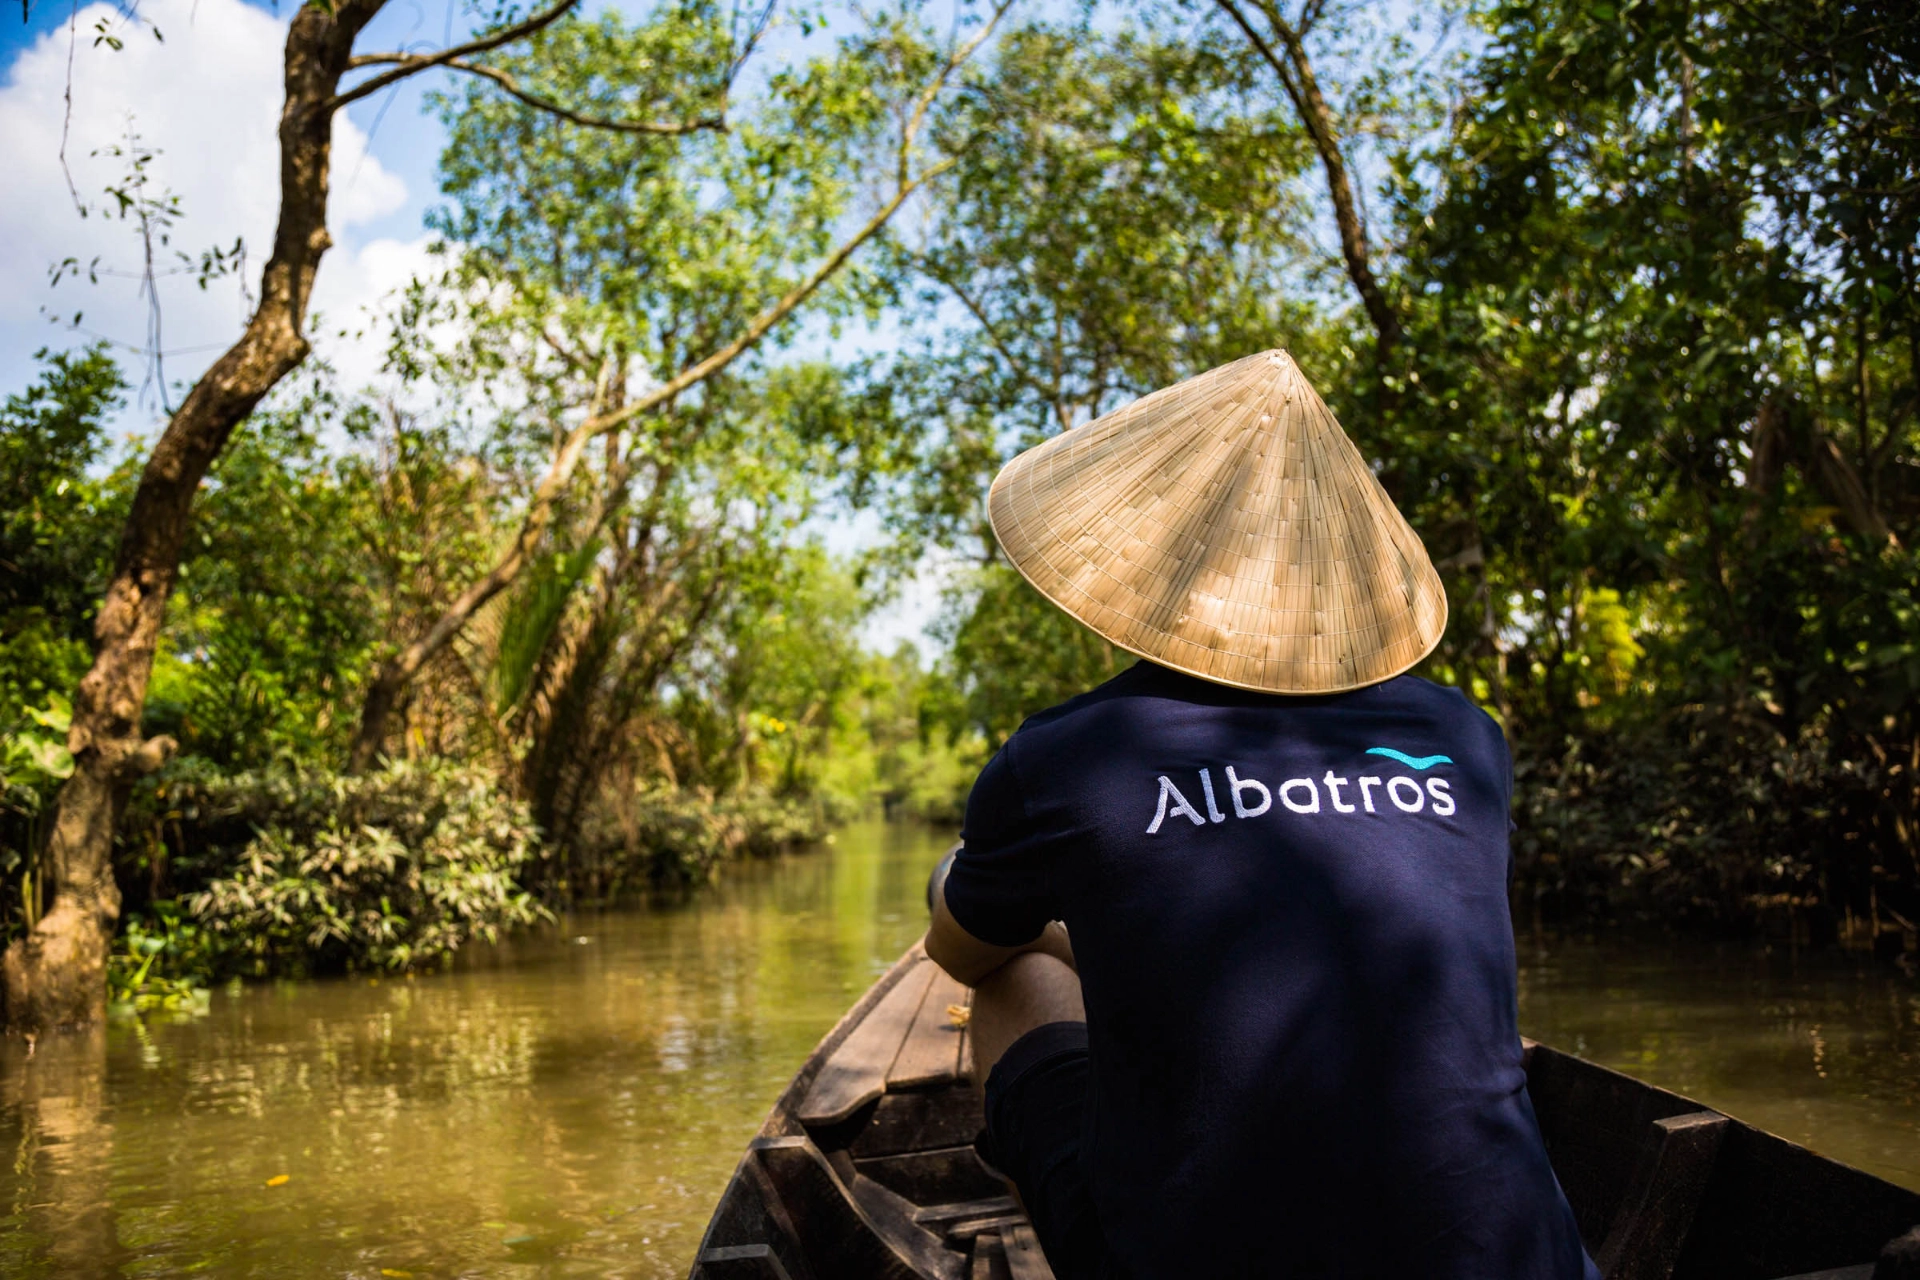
(405,139)
(206,99)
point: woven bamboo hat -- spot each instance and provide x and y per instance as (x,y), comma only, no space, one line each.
(1226,527)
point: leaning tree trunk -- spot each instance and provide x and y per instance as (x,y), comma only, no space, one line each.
(1294,68)
(56,975)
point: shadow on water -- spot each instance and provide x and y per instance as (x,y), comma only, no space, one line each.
(570,1102)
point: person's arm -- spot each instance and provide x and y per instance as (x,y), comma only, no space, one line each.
(967,959)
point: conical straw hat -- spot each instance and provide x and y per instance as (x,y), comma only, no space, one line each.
(1226,527)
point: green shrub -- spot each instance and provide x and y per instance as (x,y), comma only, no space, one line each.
(389,870)
(659,835)
(1724,826)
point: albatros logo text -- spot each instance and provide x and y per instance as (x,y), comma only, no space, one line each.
(1251,797)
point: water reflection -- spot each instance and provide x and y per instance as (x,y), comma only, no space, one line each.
(61,1216)
(571,1103)
(566,1104)
(1813,1046)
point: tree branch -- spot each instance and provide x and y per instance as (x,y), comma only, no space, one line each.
(658,128)
(1297,78)
(1020,370)
(399,671)
(405,65)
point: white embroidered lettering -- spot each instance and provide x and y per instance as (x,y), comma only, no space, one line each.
(1236,785)
(1180,806)
(1313,795)
(1213,807)
(1366,792)
(1393,793)
(1333,792)
(1442,798)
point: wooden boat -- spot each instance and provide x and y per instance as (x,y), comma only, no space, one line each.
(865,1170)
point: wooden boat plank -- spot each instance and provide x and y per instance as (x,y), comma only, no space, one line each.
(856,1074)
(930,1055)
(1775,1209)
(919,1121)
(849,1181)
(934,1215)
(1663,1194)
(783,1120)
(989,1259)
(958,1235)
(893,1215)
(1769,1209)
(1025,1261)
(1593,1122)
(741,1262)
(751,1216)
(934,1176)
(838,1237)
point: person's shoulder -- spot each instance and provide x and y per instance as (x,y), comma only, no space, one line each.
(1417,693)
(1444,702)
(1084,709)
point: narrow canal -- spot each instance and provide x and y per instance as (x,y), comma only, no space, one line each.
(570,1104)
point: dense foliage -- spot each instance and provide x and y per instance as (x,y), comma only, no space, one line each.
(1666,302)
(1642,373)
(378,871)
(1650,401)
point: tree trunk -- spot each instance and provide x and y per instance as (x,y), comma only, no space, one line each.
(1296,76)
(1842,485)
(56,975)
(400,670)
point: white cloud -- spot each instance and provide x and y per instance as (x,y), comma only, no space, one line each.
(208,100)
(352,297)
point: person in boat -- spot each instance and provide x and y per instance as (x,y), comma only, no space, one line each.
(1236,921)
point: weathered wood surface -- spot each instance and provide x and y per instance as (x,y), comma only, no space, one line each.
(989,1260)
(1024,1259)
(865,1170)
(930,1055)
(920,1122)
(1662,1196)
(856,1073)
(934,1176)
(743,1262)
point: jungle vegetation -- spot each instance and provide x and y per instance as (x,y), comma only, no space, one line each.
(1621,296)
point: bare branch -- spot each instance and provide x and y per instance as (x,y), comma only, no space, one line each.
(756,30)
(658,128)
(1303,88)
(407,65)
(955,60)
(572,357)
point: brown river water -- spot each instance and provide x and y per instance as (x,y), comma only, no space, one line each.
(571,1103)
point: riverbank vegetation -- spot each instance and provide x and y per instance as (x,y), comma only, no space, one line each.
(1622,298)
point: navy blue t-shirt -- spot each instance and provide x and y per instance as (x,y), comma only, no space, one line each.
(1290,919)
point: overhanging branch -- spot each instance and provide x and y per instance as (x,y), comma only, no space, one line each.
(405,65)
(657,128)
